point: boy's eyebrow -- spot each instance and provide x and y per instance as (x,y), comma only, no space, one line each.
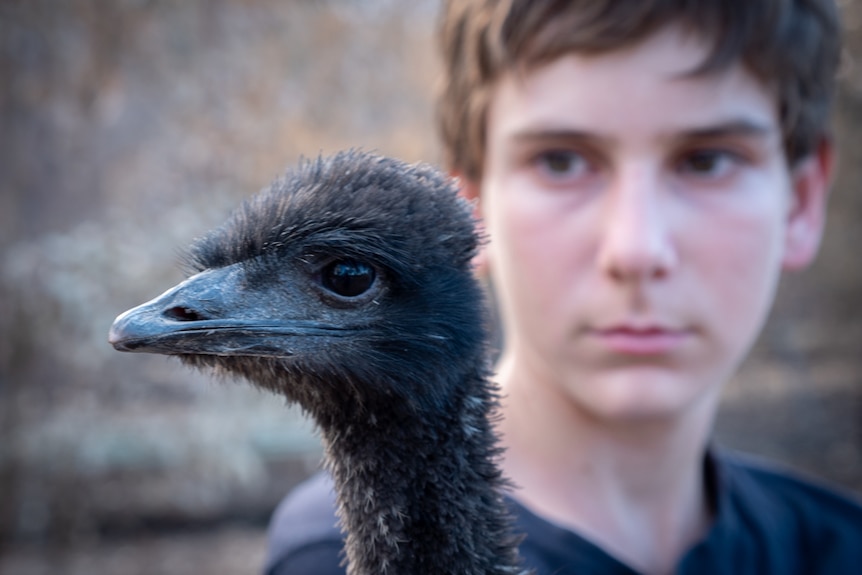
(737,127)
(543,134)
(728,128)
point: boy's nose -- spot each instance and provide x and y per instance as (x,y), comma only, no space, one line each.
(636,242)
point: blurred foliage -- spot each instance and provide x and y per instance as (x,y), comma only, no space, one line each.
(132,126)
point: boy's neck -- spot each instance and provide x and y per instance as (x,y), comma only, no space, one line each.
(635,489)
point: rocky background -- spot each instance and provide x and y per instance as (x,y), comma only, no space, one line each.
(131,126)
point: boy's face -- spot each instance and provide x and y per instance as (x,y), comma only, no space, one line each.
(639,220)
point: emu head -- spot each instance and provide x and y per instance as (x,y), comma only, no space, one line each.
(348,280)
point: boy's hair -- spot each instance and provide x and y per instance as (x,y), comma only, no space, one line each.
(793,46)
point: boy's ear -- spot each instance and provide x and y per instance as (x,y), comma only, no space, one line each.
(811,180)
(470,190)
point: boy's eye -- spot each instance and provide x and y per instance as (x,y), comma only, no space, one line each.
(707,163)
(562,163)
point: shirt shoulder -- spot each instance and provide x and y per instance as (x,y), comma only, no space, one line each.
(769,519)
(304,536)
(812,504)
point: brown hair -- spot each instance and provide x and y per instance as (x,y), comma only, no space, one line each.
(793,45)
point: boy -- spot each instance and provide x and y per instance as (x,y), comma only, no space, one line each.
(644,169)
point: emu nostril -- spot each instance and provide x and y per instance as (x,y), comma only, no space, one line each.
(180,313)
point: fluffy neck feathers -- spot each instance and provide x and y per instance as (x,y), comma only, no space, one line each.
(420,493)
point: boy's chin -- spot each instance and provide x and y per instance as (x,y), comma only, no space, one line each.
(645,395)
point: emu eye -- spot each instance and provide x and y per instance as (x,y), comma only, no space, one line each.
(348,278)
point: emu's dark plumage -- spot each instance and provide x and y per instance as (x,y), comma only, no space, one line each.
(394,375)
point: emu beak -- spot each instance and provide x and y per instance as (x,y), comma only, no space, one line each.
(182,320)
(205,316)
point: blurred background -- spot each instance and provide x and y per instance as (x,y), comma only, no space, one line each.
(131,127)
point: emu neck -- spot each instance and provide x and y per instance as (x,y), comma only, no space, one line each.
(420,493)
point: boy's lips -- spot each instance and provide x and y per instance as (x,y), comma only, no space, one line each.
(641,340)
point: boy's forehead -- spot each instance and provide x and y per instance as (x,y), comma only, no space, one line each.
(649,86)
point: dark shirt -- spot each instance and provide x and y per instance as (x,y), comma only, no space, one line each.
(767,521)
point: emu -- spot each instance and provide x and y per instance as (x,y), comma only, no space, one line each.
(346,286)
